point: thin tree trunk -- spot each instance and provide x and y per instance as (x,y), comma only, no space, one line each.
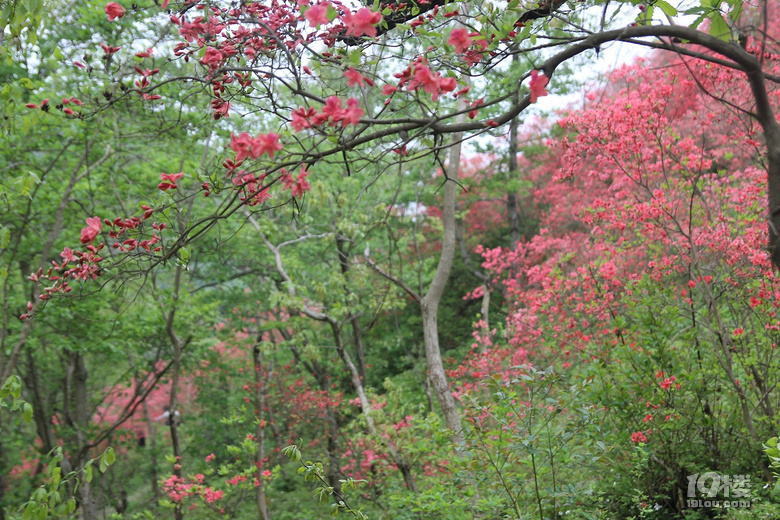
(42,418)
(81,415)
(260,393)
(173,423)
(152,441)
(357,335)
(429,304)
(178,346)
(485,308)
(511,197)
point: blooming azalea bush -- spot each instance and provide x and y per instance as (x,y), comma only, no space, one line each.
(649,278)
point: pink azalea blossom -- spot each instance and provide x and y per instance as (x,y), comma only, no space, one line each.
(362,22)
(354,77)
(89,233)
(460,39)
(114,11)
(301,118)
(213,58)
(169,181)
(316,15)
(333,108)
(266,143)
(353,113)
(538,84)
(67,255)
(109,49)
(301,185)
(242,145)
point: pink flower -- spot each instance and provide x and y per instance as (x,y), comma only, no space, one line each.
(213,58)
(354,77)
(67,255)
(114,11)
(607,270)
(316,15)
(169,181)
(89,233)
(109,49)
(353,113)
(301,185)
(460,39)
(537,85)
(430,83)
(266,143)
(242,145)
(362,22)
(212,495)
(209,457)
(638,437)
(333,109)
(448,84)
(300,118)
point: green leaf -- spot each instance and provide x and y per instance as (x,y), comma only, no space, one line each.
(27,414)
(666,7)
(646,17)
(354,57)
(110,456)
(88,473)
(719,28)
(332,14)
(735,13)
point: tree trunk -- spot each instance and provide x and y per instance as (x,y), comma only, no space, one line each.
(152,441)
(178,346)
(511,197)
(353,319)
(260,391)
(429,304)
(81,417)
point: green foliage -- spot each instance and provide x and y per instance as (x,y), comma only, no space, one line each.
(12,391)
(54,499)
(314,472)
